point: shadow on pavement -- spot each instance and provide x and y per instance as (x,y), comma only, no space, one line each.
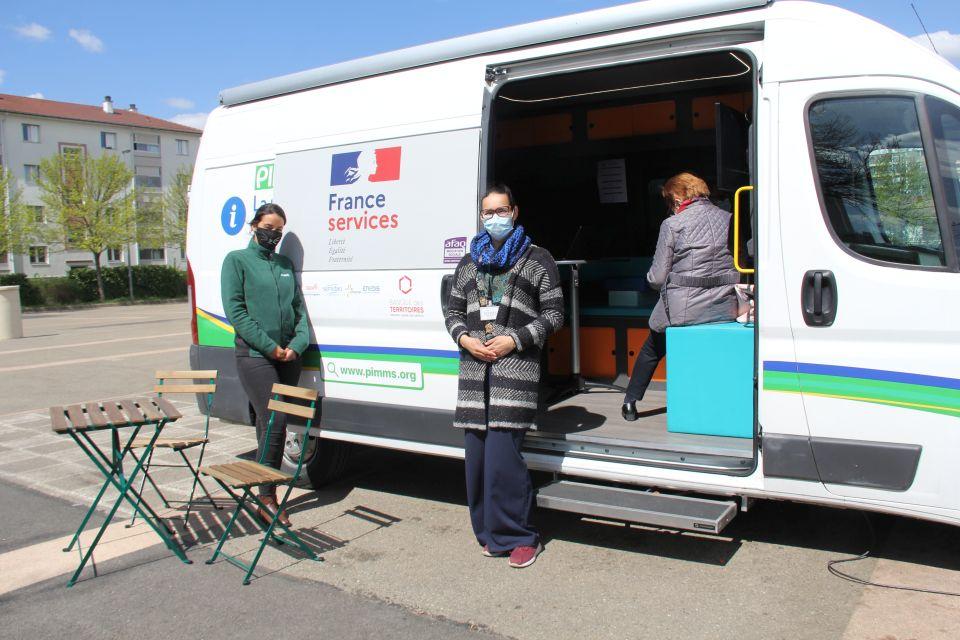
(845,532)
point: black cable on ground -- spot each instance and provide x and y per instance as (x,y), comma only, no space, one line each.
(832,568)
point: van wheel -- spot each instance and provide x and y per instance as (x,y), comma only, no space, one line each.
(324,461)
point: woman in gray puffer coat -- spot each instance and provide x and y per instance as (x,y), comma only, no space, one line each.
(693,270)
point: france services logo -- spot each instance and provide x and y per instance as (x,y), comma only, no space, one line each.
(379,165)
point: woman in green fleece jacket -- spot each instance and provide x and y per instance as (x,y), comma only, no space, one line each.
(263,303)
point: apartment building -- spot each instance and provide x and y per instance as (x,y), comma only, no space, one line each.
(155,150)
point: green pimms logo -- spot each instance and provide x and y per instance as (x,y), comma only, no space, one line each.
(263,177)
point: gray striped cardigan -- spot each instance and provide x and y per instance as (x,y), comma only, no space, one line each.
(531,309)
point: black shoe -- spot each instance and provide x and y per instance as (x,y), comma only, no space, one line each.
(629,411)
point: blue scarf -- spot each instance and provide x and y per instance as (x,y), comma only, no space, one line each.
(489,259)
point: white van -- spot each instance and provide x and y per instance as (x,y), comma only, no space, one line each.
(848,132)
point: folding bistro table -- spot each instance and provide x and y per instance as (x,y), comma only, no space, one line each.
(80,421)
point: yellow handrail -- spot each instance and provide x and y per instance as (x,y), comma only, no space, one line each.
(736,230)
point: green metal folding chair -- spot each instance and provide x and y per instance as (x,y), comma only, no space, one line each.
(240,478)
(180,382)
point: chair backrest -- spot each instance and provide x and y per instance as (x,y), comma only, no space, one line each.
(283,400)
(282,394)
(186,382)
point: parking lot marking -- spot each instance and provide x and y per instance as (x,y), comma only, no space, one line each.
(87,344)
(36,563)
(115,356)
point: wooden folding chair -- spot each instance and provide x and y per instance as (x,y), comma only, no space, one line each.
(242,476)
(181,382)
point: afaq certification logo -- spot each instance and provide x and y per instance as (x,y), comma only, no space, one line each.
(379,165)
(454,249)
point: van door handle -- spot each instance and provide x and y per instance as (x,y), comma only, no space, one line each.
(446,284)
(818,298)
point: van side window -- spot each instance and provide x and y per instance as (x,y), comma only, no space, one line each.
(945,123)
(874,180)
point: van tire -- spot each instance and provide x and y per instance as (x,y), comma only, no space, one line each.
(325,462)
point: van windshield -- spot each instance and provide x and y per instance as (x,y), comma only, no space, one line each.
(874,179)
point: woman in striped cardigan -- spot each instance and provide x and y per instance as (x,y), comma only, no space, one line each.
(505,301)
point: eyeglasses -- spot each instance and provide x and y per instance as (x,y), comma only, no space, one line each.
(503,212)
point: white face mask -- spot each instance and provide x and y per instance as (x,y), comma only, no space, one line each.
(498,227)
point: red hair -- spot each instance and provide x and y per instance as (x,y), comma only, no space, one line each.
(684,186)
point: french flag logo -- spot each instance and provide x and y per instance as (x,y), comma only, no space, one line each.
(379,165)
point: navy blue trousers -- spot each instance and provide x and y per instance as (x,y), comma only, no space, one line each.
(499,489)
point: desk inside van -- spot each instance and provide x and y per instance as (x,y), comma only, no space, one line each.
(610,335)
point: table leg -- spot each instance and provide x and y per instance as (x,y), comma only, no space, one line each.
(140,500)
(124,486)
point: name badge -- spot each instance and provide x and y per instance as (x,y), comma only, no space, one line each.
(489,312)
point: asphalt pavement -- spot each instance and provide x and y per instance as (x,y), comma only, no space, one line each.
(398,556)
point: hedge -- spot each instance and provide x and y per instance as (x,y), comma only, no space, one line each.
(30,294)
(149,281)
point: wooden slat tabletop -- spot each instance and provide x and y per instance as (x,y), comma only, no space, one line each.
(134,416)
(96,415)
(77,417)
(168,409)
(58,421)
(149,409)
(114,414)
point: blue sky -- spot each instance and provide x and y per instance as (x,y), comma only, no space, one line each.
(171,59)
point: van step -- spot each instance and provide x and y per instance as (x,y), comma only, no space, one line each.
(658,509)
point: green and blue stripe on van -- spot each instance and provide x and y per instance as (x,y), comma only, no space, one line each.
(934,394)
(215,331)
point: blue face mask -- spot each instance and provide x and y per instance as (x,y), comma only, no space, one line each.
(498,227)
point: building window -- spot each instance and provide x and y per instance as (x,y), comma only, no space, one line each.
(37,213)
(3,259)
(108,140)
(38,255)
(114,254)
(148,177)
(146,144)
(31,174)
(156,255)
(31,133)
(183,147)
(73,150)
(874,179)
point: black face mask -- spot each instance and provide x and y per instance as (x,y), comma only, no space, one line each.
(268,238)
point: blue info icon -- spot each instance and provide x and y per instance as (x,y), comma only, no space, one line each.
(233,215)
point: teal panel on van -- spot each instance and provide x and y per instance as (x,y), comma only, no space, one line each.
(710,380)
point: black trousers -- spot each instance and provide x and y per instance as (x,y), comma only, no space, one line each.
(258,375)
(652,352)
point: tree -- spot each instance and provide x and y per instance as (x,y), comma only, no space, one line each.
(162,218)
(175,202)
(17,229)
(90,202)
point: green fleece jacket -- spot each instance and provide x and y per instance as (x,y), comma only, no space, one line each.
(263,302)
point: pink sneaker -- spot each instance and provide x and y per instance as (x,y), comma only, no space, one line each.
(524,556)
(490,554)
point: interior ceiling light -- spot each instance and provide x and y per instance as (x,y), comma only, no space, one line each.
(746,70)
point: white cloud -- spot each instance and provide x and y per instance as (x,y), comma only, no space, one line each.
(36,95)
(87,40)
(180,103)
(948,44)
(195,120)
(3,74)
(34,31)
